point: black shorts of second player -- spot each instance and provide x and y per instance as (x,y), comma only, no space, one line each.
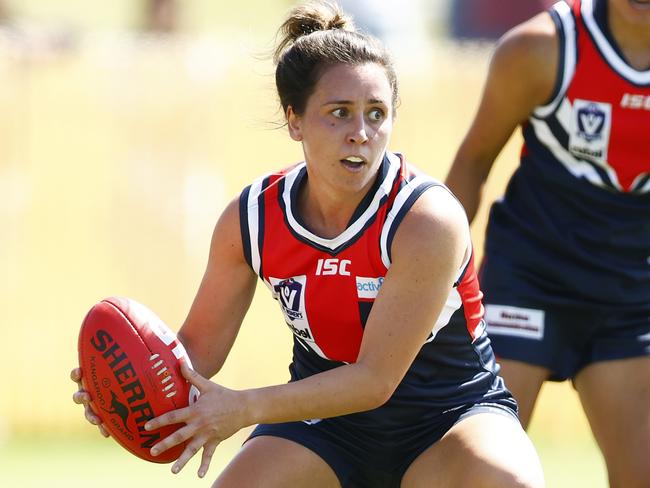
(565,339)
(374,458)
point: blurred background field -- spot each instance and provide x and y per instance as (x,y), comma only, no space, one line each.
(118,150)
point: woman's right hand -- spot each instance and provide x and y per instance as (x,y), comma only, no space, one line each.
(81,397)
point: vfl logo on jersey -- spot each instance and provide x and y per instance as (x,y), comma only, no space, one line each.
(590,122)
(590,127)
(369,287)
(290,292)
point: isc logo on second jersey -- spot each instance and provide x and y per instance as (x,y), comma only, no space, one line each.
(635,101)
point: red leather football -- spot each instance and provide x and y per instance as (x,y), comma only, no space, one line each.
(130,362)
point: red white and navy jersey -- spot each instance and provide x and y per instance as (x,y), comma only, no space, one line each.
(578,207)
(326,287)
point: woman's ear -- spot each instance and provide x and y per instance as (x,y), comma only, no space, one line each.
(294,122)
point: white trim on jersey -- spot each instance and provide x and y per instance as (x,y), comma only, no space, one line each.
(357,226)
(468,256)
(453,303)
(569,28)
(253,216)
(577,167)
(612,57)
(645,188)
(400,199)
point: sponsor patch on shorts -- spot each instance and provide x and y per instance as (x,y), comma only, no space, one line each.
(514,321)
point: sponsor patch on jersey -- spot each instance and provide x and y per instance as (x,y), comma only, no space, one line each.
(589,132)
(368,287)
(514,321)
(290,293)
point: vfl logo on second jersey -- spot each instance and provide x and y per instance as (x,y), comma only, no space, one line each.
(590,122)
(589,132)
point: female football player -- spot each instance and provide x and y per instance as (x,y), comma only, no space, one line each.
(393,382)
(566,273)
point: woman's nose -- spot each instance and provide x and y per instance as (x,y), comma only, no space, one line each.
(358,133)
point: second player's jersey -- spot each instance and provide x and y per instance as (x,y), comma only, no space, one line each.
(326,287)
(578,206)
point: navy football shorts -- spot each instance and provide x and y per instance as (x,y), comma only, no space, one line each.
(374,458)
(566,338)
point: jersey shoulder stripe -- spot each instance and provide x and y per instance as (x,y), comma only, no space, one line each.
(413,185)
(566,28)
(251,218)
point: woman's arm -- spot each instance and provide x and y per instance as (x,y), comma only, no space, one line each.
(222,300)
(522,75)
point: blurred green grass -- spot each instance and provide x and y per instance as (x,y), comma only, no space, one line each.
(570,459)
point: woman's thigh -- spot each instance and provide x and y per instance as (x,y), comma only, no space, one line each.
(273,462)
(615,396)
(482,450)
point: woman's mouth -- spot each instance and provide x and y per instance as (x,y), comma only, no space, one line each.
(354,163)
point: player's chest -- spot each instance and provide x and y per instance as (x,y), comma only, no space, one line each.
(325,299)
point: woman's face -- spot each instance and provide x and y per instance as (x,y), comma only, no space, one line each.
(633,11)
(346,126)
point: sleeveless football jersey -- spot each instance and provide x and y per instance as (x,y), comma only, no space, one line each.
(574,224)
(326,287)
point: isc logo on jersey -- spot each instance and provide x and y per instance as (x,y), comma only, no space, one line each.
(589,132)
(635,101)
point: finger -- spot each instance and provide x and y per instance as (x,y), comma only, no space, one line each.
(188,453)
(81,397)
(103,430)
(206,458)
(169,418)
(75,375)
(178,437)
(193,377)
(92,418)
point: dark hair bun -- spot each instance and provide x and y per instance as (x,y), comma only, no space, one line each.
(308,18)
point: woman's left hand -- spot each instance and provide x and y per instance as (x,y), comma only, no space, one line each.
(216,415)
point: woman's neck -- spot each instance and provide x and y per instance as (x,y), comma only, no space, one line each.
(326,214)
(633,39)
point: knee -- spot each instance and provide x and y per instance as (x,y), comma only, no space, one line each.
(531,477)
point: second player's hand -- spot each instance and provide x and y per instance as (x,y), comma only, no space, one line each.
(216,415)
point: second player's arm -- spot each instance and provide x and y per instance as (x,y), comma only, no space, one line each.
(521,77)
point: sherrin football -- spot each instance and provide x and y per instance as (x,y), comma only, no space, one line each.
(130,363)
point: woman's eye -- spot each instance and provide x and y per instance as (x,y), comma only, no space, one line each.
(376,114)
(340,112)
